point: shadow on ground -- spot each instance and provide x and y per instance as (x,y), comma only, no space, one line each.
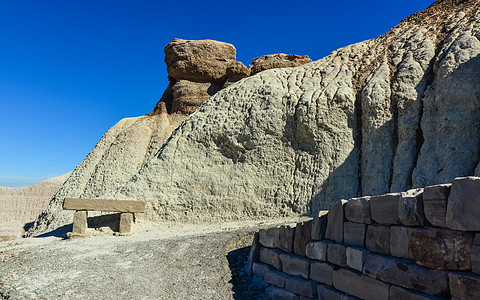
(60,232)
(245,286)
(109,220)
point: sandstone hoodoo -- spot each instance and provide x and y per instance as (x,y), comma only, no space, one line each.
(197,70)
(279,60)
(385,115)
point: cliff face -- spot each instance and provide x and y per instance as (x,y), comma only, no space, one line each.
(380,116)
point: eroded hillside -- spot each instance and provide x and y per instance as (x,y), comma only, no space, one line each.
(380,116)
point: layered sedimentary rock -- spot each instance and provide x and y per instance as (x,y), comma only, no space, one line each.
(21,205)
(279,60)
(384,115)
(196,71)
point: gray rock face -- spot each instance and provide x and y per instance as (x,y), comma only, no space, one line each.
(462,208)
(385,115)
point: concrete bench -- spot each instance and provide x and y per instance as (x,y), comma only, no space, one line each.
(126,208)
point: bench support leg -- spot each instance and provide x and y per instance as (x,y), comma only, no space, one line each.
(126,220)
(80,222)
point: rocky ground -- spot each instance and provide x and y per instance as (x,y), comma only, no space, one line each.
(170,262)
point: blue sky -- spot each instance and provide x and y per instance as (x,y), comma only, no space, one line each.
(69,70)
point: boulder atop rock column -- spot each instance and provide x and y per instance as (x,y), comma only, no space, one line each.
(202,60)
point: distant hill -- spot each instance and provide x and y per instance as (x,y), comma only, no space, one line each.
(21,205)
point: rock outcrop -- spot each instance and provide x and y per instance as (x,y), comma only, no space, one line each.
(197,70)
(279,60)
(384,115)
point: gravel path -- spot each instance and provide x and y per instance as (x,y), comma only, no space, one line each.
(176,263)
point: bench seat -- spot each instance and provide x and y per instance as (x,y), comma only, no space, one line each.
(126,208)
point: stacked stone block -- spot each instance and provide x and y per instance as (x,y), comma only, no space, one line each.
(420,244)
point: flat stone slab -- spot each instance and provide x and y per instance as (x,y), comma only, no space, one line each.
(302,287)
(295,265)
(286,237)
(270,237)
(378,239)
(322,272)
(278,293)
(260,269)
(356,258)
(104,205)
(410,208)
(319,225)
(441,248)
(303,235)
(397,292)
(317,250)
(253,255)
(463,209)
(464,286)
(384,208)
(406,274)
(80,223)
(271,257)
(354,234)
(335,221)
(359,285)
(435,200)
(475,252)
(337,254)
(400,241)
(275,277)
(358,210)
(328,292)
(126,221)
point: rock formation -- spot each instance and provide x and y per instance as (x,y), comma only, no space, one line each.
(384,115)
(279,60)
(21,205)
(197,70)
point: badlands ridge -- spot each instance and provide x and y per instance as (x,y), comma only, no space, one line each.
(384,115)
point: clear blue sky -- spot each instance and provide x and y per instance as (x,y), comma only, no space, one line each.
(69,70)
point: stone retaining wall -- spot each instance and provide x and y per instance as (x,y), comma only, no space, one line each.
(420,244)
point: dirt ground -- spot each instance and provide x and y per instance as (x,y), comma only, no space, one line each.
(166,262)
